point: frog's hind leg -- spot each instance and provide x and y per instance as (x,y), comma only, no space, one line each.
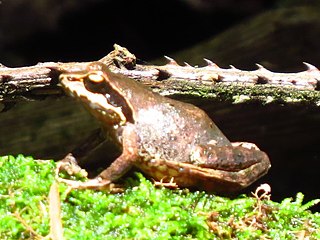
(238,165)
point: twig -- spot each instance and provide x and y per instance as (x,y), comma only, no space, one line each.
(40,81)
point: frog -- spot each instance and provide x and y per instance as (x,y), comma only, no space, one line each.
(165,138)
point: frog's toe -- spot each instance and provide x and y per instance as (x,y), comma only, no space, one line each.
(96,183)
(162,183)
(70,166)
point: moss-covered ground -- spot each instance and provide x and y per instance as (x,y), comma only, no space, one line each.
(141,211)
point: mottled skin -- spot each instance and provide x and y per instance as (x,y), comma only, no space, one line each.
(163,137)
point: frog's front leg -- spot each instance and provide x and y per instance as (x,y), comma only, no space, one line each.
(229,168)
(69,163)
(117,169)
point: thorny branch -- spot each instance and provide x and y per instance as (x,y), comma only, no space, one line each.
(40,81)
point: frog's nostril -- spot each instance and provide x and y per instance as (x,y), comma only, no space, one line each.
(70,78)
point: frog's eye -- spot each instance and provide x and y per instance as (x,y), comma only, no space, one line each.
(95,82)
(95,77)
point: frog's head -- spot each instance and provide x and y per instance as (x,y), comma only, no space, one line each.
(95,88)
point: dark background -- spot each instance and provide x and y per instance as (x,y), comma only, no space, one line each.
(58,31)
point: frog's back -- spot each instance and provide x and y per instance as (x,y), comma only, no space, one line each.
(167,128)
(171,129)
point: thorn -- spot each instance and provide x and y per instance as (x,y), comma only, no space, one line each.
(310,67)
(261,68)
(187,64)
(233,67)
(210,63)
(171,61)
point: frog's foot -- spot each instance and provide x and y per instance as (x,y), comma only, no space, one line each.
(171,184)
(245,145)
(93,184)
(69,165)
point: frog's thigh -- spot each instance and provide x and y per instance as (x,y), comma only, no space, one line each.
(239,162)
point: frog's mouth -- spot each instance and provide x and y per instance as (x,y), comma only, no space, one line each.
(97,95)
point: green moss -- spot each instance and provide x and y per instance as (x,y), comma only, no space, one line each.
(237,93)
(266,94)
(141,211)
(24,188)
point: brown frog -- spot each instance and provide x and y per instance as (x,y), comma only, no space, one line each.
(165,138)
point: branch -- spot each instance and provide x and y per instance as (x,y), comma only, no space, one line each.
(40,81)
